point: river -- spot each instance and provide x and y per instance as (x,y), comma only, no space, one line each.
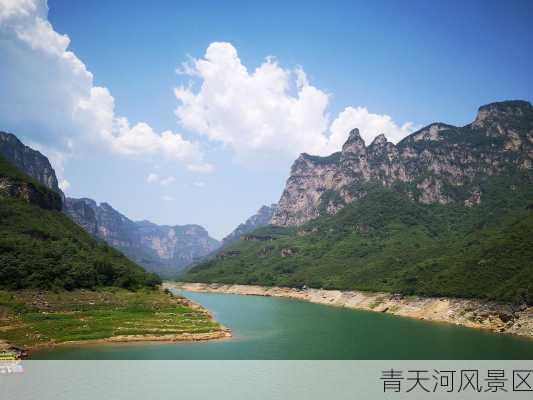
(278,328)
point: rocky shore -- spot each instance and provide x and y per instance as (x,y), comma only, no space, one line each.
(504,318)
(8,351)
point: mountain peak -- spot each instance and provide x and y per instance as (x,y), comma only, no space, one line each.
(379,140)
(355,142)
(354,135)
(262,218)
(439,163)
(502,109)
(29,161)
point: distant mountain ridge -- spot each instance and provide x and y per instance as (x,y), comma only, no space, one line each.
(261,218)
(162,249)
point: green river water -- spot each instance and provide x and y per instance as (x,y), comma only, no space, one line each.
(277,328)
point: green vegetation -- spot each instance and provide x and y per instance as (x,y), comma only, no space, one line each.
(387,242)
(10,171)
(34,191)
(42,248)
(32,317)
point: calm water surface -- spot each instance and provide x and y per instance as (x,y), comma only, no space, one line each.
(277,328)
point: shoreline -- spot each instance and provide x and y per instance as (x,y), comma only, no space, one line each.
(21,352)
(470,313)
(224,333)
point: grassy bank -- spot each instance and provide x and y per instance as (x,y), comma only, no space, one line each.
(34,318)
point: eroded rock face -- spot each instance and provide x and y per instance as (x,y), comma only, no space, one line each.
(163,249)
(440,163)
(29,193)
(29,161)
(82,212)
(180,244)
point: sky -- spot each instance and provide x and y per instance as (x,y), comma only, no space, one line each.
(193,112)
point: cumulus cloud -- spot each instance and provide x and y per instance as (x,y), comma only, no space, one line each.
(370,125)
(268,111)
(167,198)
(155,178)
(48,90)
(199,184)
(10,8)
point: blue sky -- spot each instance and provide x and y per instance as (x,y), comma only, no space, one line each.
(415,61)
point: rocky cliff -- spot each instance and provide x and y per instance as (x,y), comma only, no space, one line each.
(440,163)
(82,212)
(261,218)
(16,184)
(166,250)
(29,161)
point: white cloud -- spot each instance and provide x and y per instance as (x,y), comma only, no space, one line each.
(370,125)
(155,178)
(167,198)
(152,178)
(15,8)
(64,185)
(267,112)
(199,184)
(51,91)
(167,181)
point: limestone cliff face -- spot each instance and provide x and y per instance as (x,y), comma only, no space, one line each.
(440,163)
(180,245)
(29,161)
(30,193)
(163,249)
(82,212)
(261,218)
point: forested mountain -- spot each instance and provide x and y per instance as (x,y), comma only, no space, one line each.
(163,249)
(447,211)
(41,247)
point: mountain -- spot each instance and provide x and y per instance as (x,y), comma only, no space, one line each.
(41,247)
(448,211)
(162,249)
(29,161)
(166,250)
(261,218)
(440,163)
